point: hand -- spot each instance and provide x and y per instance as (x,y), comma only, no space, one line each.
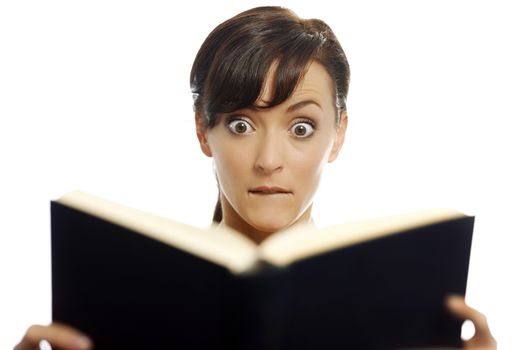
(482,339)
(58,335)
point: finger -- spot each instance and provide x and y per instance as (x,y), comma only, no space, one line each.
(58,335)
(457,305)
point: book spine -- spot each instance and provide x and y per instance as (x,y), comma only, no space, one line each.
(263,296)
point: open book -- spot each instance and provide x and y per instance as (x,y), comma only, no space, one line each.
(134,280)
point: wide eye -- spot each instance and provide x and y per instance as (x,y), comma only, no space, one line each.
(302,129)
(240,127)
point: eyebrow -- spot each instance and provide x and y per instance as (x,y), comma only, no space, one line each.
(295,106)
(302,104)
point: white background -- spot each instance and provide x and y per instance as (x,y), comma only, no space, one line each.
(95,95)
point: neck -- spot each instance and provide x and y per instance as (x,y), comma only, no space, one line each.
(232,219)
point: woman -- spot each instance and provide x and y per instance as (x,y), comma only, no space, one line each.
(270,108)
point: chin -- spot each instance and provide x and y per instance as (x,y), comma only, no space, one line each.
(271,223)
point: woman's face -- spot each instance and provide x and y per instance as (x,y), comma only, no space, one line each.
(269,161)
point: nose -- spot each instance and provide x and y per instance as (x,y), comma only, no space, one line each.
(270,154)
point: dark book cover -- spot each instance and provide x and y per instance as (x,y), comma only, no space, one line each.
(382,294)
(128,291)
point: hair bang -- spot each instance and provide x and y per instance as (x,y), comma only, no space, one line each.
(238,81)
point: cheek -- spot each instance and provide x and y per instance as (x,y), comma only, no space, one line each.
(230,160)
(309,161)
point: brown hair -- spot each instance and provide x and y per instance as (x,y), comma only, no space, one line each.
(231,66)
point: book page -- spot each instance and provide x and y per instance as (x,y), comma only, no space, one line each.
(221,246)
(305,241)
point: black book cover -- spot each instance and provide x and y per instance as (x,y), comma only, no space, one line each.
(128,291)
(381,294)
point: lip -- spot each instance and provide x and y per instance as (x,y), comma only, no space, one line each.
(268,190)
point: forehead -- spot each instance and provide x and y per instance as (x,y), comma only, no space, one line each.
(315,84)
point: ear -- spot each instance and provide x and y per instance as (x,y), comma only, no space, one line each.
(339,138)
(202,134)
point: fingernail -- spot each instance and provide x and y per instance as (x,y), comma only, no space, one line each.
(83,342)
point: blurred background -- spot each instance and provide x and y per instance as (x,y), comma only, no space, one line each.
(95,96)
